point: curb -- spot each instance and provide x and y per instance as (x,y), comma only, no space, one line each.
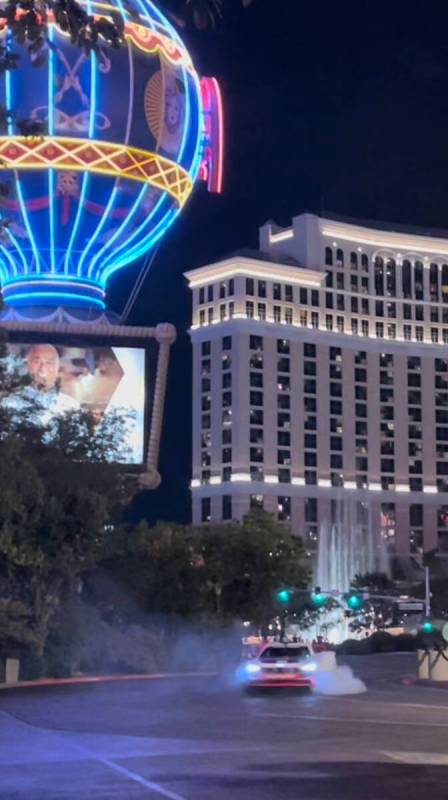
(424,682)
(154,676)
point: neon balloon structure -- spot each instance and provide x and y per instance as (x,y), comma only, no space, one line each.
(127,133)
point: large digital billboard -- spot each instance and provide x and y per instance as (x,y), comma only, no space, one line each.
(104,380)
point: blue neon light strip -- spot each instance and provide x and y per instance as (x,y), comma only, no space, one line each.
(8,94)
(51,132)
(147,221)
(85,179)
(97,232)
(144,245)
(59,295)
(119,230)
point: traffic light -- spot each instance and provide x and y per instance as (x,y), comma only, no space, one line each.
(354,601)
(428,626)
(284,596)
(318,598)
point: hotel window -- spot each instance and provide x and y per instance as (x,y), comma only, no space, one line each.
(289,294)
(336,371)
(309,368)
(434,283)
(328,256)
(314,319)
(250,288)
(284,457)
(277,291)
(206,439)
(256,380)
(222,290)
(339,257)
(277,313)
(249,309)
(231,309)
(288,316)
(434,335)
(365,262)
(354,305)
(262,311)
(353,260)
(434,314)
(256,455)
(284,401)
(227,416)
(256,398)
(329,300)
(226,380)
(419,313)
(419,333)
(340,281)
(284,475)
(256,342)
(283,383)
(314,297)
(283,364)
(379,276)
(284,508)
(210,315)
(206,402)
(379,329)
(206,421)
(226,399)
(418,280)
(284,438)
(257,474)
(304,297)
(303,318)
(365,307)
(205,385)
(364,327)
(202,317)
(201,295)
(256,416)
(391,331)
(340,324)
(205,348)
(283,420)
(227,507)
(391,285)
(261,288)
(407,332)
(210,294)
(205,458)
(231,288)
(379,308)
(226,361)
(256,360)
(283,346)
(256,501)
(407,311)
(226,455)
(227,343)
(227,436)
(256,436)
(205,509)
(222,312)
(406,283)
(309,350)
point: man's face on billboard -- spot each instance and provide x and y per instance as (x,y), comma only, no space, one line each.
(43,366)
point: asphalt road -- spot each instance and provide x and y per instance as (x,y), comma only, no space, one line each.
(200,739)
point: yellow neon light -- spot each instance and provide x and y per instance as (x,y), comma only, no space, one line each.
(145,38)
(103,158)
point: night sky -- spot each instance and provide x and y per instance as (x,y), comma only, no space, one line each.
(331,108)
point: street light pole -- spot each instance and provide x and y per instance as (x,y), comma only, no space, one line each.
(427,594)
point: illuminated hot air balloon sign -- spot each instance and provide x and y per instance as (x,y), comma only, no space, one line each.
(126,134)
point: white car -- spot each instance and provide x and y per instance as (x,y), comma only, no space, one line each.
(279,665)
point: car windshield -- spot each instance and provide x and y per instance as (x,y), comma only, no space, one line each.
(291,653)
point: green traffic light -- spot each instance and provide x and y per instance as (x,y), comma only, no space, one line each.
(283,595)
(354,601)
(428,626)
(318,599)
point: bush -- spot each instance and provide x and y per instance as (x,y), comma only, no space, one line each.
(379,642)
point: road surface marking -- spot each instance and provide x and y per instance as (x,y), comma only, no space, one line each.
(387,702)
(133,776)
(433,759)
(354,720)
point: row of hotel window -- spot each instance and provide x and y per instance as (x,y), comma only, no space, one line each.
(384,283)
(387,412)
(387,519)
(337,323)
(385,272)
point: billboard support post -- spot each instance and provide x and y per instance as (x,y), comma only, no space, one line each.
(165,335)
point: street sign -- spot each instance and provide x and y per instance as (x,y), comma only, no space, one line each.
(411,606)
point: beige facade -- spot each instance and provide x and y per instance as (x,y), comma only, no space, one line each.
(320,373)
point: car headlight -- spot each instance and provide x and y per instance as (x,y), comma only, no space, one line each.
(252,669)
(310,666)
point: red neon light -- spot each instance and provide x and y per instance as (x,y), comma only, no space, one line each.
(211,169)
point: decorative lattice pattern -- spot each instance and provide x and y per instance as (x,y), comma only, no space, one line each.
(104,158)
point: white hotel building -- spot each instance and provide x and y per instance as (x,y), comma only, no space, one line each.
(320,373)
